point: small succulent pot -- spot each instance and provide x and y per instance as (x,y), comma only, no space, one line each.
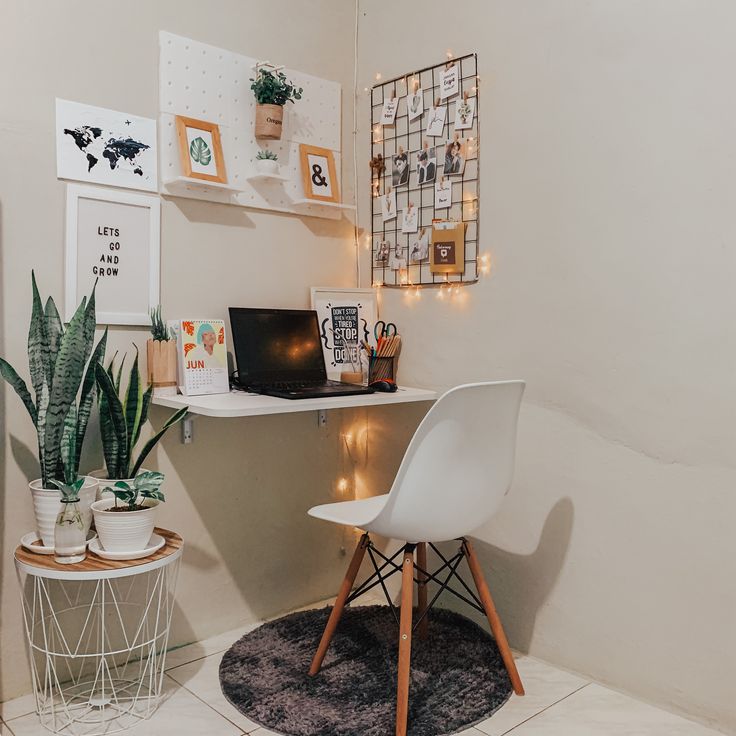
(124,530)
(47,507)
(269,121)
(267,166)
(161,356)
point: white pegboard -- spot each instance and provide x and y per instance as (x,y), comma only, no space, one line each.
(208,83)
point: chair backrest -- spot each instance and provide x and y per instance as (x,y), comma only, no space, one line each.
(458,466)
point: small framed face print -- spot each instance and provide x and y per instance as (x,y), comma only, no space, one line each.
(397,261)
(464,113)
(388,205)
(419,247)
(442,194)
(400,169)
(388,115)
(200,149)
(415,104)
(409,219)
(449,82)
(382,252)
(436,120)
(426,165)
(319,177)
(453,157)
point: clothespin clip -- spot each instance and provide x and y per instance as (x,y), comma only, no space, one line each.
(465,95)
(401,150)
(457,137)
(411,204)
(437,102)
(415,85)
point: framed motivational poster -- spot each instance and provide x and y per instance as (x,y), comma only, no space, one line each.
(113,238)
(346,317)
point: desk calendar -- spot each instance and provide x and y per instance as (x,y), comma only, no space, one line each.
(201,356)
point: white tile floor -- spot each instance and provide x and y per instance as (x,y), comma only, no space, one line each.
(557,704)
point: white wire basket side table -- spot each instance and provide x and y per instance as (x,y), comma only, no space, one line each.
(97,633)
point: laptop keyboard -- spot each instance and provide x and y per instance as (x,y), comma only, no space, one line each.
(293,385)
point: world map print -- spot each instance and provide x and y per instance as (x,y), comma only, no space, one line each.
(105,146)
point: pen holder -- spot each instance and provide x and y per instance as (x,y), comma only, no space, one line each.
(382,369)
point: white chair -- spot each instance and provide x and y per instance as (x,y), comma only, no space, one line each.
(454,475)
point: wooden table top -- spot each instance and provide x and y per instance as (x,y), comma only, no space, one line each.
(94,565)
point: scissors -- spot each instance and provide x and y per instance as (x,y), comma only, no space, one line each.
(383,329)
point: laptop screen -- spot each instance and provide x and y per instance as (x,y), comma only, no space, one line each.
(276,345)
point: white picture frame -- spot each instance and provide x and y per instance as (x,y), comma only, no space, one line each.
(364,302)
(120,233)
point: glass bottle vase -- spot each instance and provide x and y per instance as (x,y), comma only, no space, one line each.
(70,539)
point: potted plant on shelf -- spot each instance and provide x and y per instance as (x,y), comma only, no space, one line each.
(122,416)
(62,368)
(161,354)
(267,162)
(126,521)
(272,92)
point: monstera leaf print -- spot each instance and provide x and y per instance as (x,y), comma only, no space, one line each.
(200,151)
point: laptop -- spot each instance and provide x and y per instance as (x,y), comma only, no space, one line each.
(279,353)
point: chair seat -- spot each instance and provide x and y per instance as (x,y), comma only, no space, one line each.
(358,513)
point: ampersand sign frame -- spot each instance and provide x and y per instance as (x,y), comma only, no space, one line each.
(328,179)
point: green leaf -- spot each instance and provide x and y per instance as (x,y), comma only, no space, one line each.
(38,345)
(133,404)
(148,480)
(8,373)
(158,495)
(128,495)
(144,415)
(113,427)
(200,151)
(69,490)
(74,350)
(173,419)
(88,393)
(69,445)
(54,332)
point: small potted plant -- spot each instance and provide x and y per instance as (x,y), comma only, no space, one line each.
(272,91)
(161,354)
(122,416)
(125,522)
(267,162)
(61,362)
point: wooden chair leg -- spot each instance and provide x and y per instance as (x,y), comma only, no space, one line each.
(407,601)
(422,590)
(493,618)
(342,596)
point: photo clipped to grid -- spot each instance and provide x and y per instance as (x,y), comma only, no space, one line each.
(425,175)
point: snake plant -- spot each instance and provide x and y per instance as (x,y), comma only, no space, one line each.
(123,415)
(57,357)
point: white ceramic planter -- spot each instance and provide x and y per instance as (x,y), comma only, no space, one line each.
(47,506)
(267,166)
(124,531)
(102,481)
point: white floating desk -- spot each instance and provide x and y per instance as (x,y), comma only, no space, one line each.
(242,404)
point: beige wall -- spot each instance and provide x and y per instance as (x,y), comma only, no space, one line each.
(608,195)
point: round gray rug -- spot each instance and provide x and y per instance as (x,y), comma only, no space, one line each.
(457,675)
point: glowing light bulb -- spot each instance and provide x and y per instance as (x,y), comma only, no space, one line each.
(342,485)
(378,75)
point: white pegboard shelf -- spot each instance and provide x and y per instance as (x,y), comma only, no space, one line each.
(317,203)
(186,184)
(267,177)
(208,83)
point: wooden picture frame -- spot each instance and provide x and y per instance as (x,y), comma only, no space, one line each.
(447,251)
(113,237)
(314,180)
(190,166)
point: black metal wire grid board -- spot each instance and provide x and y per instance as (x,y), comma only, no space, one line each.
(411,135)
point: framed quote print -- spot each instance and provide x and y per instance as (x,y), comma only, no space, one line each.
(319,177)
(113,238)
(200,149)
